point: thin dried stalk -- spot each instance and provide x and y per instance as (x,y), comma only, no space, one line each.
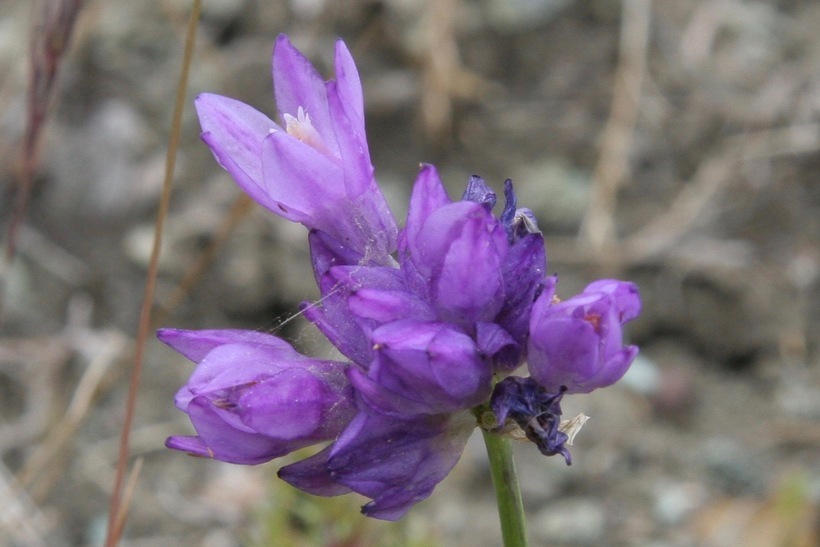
(598,228)
(50,36)
(114,527)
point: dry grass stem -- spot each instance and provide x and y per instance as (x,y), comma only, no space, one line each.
(598,229)
(114,531)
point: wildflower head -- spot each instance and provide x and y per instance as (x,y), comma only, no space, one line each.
(429,316)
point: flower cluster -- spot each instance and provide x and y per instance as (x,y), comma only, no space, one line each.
(434,318)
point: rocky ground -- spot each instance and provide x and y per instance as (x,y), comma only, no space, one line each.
(675,143)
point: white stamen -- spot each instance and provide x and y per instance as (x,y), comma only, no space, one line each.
(301,127)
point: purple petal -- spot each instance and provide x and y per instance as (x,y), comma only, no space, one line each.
(616,366)
(289,405)
(624,294)
(190,444)
(564,352)
(376,293)
(510,204)
(326,252)
(430,363)
(368,208)
(234,131)
(470,286)
(523,271)
(384,401)
(349,87)
(236,364)
(297,84)
(353,278)
(312,475)
(478,191)
(495,342)
(348,336)
(577,342)
(428,196)
(302,184)
(536,411)
(388,306)
(398,463)
(353,150)
(196,344)
(226,443)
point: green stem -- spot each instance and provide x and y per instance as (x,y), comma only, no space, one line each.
(507,491)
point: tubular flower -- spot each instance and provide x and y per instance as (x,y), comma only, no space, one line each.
(320,142)
(577,343)
(253,398)
(430,317)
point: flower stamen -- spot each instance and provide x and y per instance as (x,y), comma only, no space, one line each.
(302,128)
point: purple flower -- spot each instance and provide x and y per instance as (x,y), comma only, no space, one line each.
(577,343)
(253,397)
(429,317)
(314,167)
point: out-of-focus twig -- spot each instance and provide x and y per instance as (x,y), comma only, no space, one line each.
(239,210)
(445,77)
(107,348)
(21,521)
(598,228)
(122,513)
(115,526)
(53,22)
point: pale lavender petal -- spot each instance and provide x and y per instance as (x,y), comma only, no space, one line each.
(350,87)
(297,84)
(234,132)
(304,185)
(196,344)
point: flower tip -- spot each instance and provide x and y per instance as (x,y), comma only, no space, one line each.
(193,446)
(166,335)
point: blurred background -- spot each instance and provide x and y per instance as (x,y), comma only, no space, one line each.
(675,143)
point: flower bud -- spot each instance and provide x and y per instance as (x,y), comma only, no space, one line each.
(578,343)
(252,397)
